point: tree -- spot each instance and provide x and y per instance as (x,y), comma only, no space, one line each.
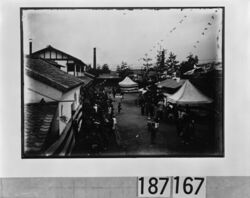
(189,64)
(105,69)
(160,59)
(147,61)
(118,68)
(98,68)
(192,60)
(124,65)
(88,66)
(124,70)
(172,64)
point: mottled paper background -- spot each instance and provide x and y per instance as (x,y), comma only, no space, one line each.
(122,187)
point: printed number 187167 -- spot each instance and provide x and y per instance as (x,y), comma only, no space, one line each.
(172,187)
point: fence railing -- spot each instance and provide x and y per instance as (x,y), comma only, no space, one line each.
(66,142)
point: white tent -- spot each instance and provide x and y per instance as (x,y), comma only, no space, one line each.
(188,94)
(128,85)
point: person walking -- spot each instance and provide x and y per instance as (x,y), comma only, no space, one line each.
(119,107)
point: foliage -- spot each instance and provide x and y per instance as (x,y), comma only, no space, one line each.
(172,64)
(105,69)
(147,62)
(124,70)
(99,70)
(160,59)
(189,64)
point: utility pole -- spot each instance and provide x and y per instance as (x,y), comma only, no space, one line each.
(30,46)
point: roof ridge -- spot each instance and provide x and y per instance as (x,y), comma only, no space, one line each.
(47,77)
(51,75)
(51,47)
(59,70)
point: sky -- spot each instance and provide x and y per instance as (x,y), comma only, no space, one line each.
(126,35)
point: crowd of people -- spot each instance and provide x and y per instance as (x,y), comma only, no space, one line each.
(185,124)
(98,117)
(154,105)
(99,124)
(151,105)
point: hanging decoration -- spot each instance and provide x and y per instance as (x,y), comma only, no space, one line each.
(180,22)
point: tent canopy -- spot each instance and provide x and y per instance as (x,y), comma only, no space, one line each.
(171,83)
(188,94)
(127,82)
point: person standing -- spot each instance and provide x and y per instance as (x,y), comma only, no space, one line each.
(114,123)
(154,130)
(149,125)
(122,94)
(142,108)
(114,92)
(147,109)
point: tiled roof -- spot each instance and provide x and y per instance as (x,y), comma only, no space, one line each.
(43,71)
(85,79)
(53,63)
(37,122)
(108,76)
(92,76)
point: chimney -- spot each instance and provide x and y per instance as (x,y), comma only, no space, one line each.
(30,46)
(94,59)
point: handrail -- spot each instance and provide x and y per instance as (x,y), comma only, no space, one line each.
(54,147)
(67,144)
(64,145)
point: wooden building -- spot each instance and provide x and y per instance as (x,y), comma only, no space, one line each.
(60,59)
(51,96)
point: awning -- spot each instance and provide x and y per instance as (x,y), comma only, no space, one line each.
(188,94)
(127,82)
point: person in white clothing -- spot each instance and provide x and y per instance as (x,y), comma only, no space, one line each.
(114,123)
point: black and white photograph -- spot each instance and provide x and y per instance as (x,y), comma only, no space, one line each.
(122,82)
